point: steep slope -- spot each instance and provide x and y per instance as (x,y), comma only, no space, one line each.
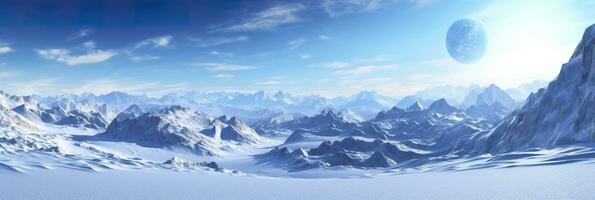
(560,114)
(12,120)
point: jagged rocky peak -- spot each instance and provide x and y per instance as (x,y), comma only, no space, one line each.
(12,119)
(27,111)
(224,118)
(181,127)
(561,114)
(22,108)
(440,106)
(415,107)
(182,163)
(82,119)
(350,116)
(494,94)
(132,111)
(330,114)
(378,159)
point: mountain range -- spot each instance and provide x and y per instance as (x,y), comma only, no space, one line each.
(295,132)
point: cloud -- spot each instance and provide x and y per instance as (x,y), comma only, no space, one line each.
(5,49)
(7,74)
(365,69)
(422,3)
(156,42)
(223,66)
(216,41)
(340,65)
(375,59)
(335,8)
(141,58)
(294,44)
(221,54)
(35,86)
(306,56)
(268,83)
(267,19)
(336,65)
(89,45)
(80,34)
(150,43)
(65,56)
(325,37)
(223,76)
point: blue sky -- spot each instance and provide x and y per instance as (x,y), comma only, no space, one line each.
(327,47)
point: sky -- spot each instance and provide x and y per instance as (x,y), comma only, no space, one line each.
(326,47)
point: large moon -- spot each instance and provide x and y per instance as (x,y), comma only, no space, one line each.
(467,40)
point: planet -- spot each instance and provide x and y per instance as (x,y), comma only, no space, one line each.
(467,40)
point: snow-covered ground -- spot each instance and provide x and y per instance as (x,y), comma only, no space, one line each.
(570,181)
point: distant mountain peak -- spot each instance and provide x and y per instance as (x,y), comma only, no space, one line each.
(415,107)
(441,106)
(494,94)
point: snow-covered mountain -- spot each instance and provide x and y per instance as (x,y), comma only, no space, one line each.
(349,152)
(10,101)
(14,121)
(493,94)
(59,116)
(561,114)
(411,99)
(488,96)
(179,127)
(453,94)
(440,106)
(492,103)
(365,103)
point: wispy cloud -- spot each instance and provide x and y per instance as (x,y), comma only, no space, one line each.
(306,56)
(267,19)
(140,58)
(156,42)
(223,66)
(42,86)
(336,8)
(222,54)
(216,41)
(325,37)
(375,59)
(89,45)
(294,44)
(80,34)
(223,76)
(341,65)
(336,65)
(365,69)
(65,56)
(422,3)
(7,74)
(135,52)
(5,49)
(268,83)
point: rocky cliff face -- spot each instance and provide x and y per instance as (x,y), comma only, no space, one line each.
(561,114)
